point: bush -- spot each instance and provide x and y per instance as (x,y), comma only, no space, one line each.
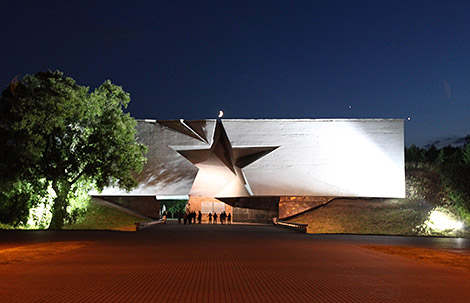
(424,184)
(456,178)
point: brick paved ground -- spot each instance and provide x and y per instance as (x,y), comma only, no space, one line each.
(220,264)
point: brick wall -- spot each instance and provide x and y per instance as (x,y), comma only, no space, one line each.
(195,204)
(254,209)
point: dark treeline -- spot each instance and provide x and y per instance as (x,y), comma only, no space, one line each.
(414,156)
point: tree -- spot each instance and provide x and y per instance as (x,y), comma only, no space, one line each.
(55,130)
(431,154)
(174,206)
(412,154)
(453,154)
(466,154)
(441,157)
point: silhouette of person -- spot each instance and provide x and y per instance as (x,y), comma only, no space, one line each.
(210,218)
(185,218)
(179,214)
(215,218)
(229,218)
(199,217)
(222,218)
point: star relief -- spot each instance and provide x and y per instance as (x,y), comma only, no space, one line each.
(221,166)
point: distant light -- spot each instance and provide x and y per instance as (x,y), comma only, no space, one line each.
(350,106)
(409,118)
(442,221)
(221,113)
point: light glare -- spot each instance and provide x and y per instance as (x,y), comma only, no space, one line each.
(442,221)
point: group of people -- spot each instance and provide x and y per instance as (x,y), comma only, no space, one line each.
(223,218)
(190,217)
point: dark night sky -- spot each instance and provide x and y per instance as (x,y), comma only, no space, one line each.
(257,59)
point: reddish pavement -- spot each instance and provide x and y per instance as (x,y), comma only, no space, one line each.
(201,263)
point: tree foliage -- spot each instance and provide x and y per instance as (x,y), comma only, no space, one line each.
(466,154)
(55,130)
(16,200)
(412,154)
(175,206)
(416,156)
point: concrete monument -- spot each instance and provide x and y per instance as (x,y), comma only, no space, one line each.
(240,158)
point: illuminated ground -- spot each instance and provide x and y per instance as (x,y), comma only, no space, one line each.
(225,264)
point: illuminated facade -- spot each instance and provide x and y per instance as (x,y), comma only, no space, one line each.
(271,158)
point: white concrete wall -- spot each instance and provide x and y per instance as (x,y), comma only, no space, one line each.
(315,157)
(356,158)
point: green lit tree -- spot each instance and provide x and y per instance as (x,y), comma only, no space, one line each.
(16,198)
(175,206)
(52,129)
(441,157)
(466,154)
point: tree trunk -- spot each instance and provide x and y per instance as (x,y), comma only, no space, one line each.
(59,209)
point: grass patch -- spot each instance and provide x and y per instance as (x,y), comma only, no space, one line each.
(105,218)
(375,216)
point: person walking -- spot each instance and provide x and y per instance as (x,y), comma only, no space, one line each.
(199,217)
(210,218)
(164,217)
(215,218)
(229,218)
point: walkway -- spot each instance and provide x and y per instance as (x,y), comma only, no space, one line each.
(202,263)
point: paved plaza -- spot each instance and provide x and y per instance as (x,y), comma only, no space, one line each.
(237,263)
